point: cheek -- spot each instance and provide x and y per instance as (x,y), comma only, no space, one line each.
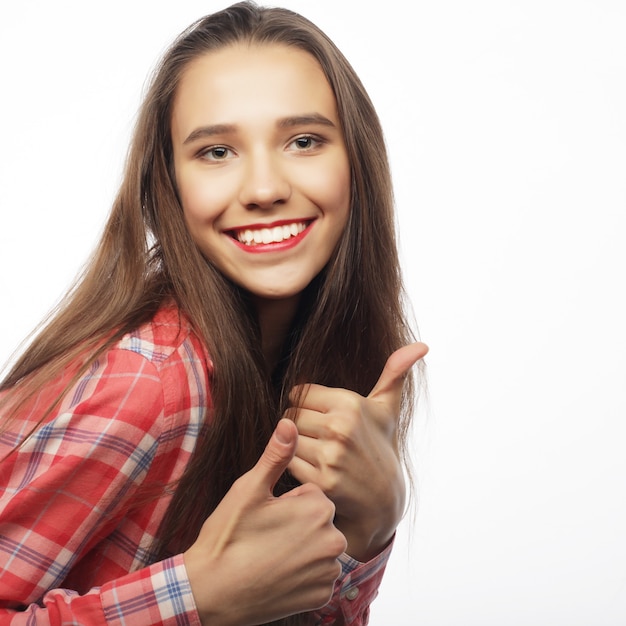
(202,201)
(330,187)
(341,196)
(344,191)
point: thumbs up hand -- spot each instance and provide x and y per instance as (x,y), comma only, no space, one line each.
(347,445)
(259,558)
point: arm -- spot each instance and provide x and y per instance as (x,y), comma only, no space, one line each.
(348,447)
(159,594)
(275,556)
(246,567)
(68,489)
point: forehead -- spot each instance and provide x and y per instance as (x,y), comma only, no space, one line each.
(244,82)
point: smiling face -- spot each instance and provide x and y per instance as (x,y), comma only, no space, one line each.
(261,166)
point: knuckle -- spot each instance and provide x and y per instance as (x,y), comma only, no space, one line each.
(324,514)
(322,594)
(342,427)
(318,506)
(331,483)
(311,490)
(332,454)
(331,571)
(330,508)
(339,545)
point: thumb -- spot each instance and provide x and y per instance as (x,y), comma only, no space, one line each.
(388,388)
(277,455)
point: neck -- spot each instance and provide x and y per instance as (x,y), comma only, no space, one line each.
(275,319)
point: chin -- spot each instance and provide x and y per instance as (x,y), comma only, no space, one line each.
(276,296)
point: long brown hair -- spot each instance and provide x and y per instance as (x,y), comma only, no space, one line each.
(350,319)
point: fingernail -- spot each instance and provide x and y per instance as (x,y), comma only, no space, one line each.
(280,436)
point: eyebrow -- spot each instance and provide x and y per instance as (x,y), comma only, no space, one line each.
(285,122)
(303,120)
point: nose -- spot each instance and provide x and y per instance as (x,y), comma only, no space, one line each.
(265,183)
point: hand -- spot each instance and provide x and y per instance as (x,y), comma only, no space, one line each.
(259,558)
(347,445)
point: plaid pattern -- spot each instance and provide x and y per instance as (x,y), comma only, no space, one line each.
(355,590)
(77,505)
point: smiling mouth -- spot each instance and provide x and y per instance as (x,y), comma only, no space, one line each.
(269,235)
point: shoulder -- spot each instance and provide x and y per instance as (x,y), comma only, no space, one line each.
(169,353)
(153,383)
(159,368)
(163,337)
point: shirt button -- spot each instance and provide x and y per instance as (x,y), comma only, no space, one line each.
(351,594)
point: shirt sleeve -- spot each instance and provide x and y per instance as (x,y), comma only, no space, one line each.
(68,486)
(355,590)
(159,594)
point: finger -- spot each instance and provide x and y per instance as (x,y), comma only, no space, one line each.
(389,385)
(308,449)
(311,423)
(276,456)
(298,491)
(304,472)
(317,398)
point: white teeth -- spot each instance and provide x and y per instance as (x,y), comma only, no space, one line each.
(270,235)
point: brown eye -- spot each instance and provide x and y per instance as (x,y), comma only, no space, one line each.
(216,153)
(304,142)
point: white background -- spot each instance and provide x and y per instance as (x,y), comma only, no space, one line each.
(506,126)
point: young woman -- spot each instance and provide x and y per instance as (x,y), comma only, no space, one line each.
(209,430)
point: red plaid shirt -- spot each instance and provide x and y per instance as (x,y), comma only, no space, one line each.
(75,522)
